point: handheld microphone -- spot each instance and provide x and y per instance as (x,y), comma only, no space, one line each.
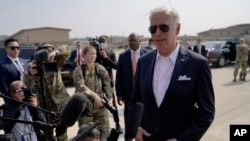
(135,120)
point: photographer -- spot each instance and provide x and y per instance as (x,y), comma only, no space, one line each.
(106,57)
(15,110)
(54,95)
(93,79)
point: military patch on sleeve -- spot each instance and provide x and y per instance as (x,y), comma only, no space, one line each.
(78,78)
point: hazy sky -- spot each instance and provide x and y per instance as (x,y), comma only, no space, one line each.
(117,17)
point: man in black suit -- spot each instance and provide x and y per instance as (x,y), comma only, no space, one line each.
(200,49)
(125,75)
(150,44)
(174,84)
(76,55)
(107,58)
(11,67)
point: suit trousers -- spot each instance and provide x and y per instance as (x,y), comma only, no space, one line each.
(126,120)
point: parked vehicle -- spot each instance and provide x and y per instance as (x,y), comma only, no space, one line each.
(220,53)
(67,71)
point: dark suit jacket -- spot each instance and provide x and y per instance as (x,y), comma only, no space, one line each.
(72,57)
(124,74)
(9,73)
(203,50)
(109,63)
(178,116)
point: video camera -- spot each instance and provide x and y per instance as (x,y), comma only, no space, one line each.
(95,43)
(98,45)
(41,59)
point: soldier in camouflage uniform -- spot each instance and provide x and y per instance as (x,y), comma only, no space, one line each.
(56,95)
(95,82)
(241,60)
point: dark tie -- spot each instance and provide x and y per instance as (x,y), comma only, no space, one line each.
(78,58)
(134,61)
(20,69)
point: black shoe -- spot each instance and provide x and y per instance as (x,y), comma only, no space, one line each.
(234,80)
(118,128)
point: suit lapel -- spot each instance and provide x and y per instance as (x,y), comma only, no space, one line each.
(128,58)
(12,68)
(151,66)
(180,64)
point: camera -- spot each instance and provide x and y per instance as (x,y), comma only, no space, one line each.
(95,43)
(33,91)
(98,45)
(107,105)
(50,67)
(41,60)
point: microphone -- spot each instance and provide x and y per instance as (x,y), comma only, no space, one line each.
(135,120)
(84,131)
(77,106)
(38,124)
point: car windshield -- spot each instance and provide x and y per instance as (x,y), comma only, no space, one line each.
(212,45)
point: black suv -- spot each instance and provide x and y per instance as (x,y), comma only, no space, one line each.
(220,52)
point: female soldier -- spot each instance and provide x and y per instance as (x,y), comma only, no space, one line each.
(94,80)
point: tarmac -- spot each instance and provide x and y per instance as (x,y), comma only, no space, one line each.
(232,102)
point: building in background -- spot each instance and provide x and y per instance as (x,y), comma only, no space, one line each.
(52,35)
(231,33)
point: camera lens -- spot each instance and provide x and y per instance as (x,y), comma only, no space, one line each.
(34,90)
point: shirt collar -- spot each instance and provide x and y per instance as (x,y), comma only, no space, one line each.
(12,59)
(137,51)
(172,56)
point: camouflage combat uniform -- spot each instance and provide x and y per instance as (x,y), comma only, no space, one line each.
(241,61)
(56,95)
(96,81)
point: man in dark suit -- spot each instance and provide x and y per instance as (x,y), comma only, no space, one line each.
(76,55)
(200,49)
(150,44)
(107,58)
(174,84)
(125,76)
(11,67)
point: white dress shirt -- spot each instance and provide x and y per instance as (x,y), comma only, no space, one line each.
(163,71)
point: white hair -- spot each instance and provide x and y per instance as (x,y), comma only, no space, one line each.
(169,11)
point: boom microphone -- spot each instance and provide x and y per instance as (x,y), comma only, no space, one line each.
(85,131)
(76,107)
(135,120)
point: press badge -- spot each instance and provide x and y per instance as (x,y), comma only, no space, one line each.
(26,137)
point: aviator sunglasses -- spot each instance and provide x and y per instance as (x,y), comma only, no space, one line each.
(15,47)
(163,27)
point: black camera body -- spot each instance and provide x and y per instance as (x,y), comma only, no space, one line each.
(95,43)
(33,91)
(41,59)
